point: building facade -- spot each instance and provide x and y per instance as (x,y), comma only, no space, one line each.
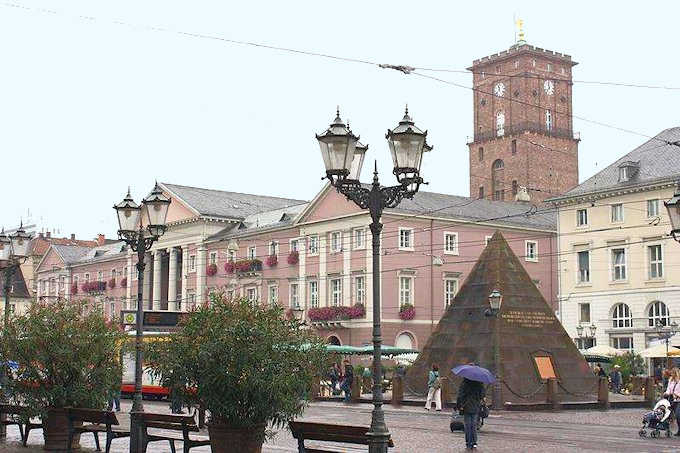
(523,125)
(313,258)
(618,265)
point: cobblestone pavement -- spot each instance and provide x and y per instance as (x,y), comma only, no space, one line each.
(414,431)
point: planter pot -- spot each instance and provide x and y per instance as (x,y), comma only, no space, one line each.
(225,439)
(56,432)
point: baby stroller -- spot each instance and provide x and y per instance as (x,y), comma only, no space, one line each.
(658,419)
(457,419)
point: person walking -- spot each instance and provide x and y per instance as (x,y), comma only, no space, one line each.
(600,371)
(616,379)
(334,375)
(434,389)
(673,392)
(347,381)
(470,396)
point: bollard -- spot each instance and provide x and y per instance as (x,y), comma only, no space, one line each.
(649,389)
(397,390)
(551,393)
(603,393)
(446,391)
(356,389)
(201,417)
(316,388)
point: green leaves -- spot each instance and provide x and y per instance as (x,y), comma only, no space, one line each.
(247,364)
(67,355)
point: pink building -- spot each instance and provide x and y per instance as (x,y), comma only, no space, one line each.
(313,258)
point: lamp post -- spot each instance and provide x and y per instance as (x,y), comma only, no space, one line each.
(673,207)
(495,301)
(587,335)
(343,157)
(140,240)
(13,253)
(666,333)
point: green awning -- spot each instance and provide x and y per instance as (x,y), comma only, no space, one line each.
(368,350)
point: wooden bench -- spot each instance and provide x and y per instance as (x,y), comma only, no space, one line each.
(184,423)
(330,433)
(18,415)
(94,421)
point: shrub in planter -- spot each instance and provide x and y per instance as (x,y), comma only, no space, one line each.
(211,270)
(249,365)
(67,356)
(293,257)
(112,283)
(407,312)
(123,282)
(74,289)
(229,267)
(272,260)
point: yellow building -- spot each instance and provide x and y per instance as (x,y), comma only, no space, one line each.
(619,270)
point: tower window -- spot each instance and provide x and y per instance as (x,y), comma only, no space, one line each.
(497,180)
(500,124)
(533,62)
(481,154)
(514,187)
(562,70)
(498,164)
(548,120)
(549,67)
(516,64)
(481,192)
(513,147)
(498,69)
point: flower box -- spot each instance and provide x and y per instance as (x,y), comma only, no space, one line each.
(211,270)
(229,267)
(244,266)
(407,312)
(336,313)
(272,260)
(112,283)
(93,287)
(293,257)
(123,282)
(74,289)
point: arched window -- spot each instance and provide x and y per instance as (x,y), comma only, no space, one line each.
(497,180)
(621,316)
(334,340)
(404,340)
(658,312)
(548,120)
(500,124)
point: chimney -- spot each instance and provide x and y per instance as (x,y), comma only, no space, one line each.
(101,239)
(49,234)
(73,237)
(523,195)
(40,235)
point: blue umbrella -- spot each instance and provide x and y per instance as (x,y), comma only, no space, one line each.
(474,373)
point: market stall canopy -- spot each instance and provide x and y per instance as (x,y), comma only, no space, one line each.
(660,351)
(602,351)
(368,350)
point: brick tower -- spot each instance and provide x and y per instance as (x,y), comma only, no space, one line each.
(523,125)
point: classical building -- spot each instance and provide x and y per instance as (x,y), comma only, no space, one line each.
(20,297)
(523,125)
(313,258)
(617,264)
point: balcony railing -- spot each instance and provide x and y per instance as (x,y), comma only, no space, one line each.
(525,126)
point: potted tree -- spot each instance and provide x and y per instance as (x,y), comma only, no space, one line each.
(68,356)
(247,364)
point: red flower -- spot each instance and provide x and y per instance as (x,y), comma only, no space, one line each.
(112,283)
(212,270)
(229,267)
(123,282)
(272,260)
(74,288)
(407,312)
(293,257)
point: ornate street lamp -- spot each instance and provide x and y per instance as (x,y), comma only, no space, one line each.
(495,301)
(131,220)
(665,333)
(673,207)
(590,335)
(343,158)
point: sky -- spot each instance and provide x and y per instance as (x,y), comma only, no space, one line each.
(96,97)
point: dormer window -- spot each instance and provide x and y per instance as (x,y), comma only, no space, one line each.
(628,170)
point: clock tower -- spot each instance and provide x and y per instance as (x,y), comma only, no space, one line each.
(523,125)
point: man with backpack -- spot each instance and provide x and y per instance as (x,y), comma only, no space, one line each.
(434,389)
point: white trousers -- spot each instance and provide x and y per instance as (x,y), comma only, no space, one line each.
(437,395)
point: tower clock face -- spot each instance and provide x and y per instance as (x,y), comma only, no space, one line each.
(499,89)
(549,87)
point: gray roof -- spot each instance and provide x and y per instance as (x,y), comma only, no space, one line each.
(70,253)
(106,251)
(659,161)
(261,222)
(230,205)
(478,210)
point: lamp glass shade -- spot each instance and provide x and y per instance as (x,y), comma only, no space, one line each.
(20,242)
(593,330)
(5,247)
(579,330)
(337,145)
(156,205)
(129,214)
(357,161)
(673,207)
(495,299)
(407,143)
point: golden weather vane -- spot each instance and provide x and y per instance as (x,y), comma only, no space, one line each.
(520,31)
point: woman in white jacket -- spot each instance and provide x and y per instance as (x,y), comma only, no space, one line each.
(434,389)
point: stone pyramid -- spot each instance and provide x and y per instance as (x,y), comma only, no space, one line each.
(532,342)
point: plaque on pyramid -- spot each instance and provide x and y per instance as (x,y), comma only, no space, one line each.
(532,344)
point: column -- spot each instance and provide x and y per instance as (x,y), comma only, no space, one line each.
(172,280)
(128,290)
(67,289)
(346,268)
(47,284)
(157,255)
(302,286)
(183,280)
(146,288)
(200,273)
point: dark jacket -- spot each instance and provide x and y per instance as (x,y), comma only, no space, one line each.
(470,395)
